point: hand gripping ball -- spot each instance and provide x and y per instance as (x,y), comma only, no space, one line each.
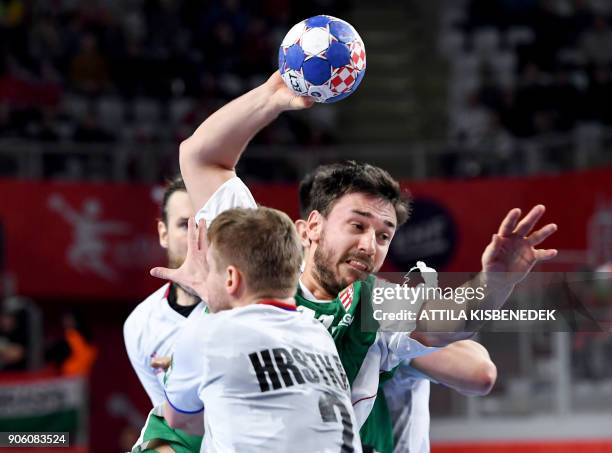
(322,57)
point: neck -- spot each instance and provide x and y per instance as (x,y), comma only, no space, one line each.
(243,302)
(184,299)
(309,280)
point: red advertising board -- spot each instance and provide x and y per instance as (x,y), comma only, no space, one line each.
(98,241)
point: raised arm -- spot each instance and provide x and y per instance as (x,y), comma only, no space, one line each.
(464,366)
(209,156)
(507,259)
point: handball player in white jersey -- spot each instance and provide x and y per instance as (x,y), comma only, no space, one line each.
(257,375)
(150,330)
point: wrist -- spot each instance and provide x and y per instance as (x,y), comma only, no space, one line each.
(269,101)
(495,281)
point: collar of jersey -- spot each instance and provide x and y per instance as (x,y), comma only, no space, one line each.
(307,294)
(277,304)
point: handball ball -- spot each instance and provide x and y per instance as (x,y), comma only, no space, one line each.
(322,57)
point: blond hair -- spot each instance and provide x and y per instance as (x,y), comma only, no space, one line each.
(263,244)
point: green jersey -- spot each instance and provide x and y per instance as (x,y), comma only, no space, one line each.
(368,357)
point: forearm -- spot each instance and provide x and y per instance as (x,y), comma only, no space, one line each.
(222,137)
(208,157)
(464,366)
(192,424)
(458,322)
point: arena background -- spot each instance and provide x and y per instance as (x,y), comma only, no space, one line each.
(476,106)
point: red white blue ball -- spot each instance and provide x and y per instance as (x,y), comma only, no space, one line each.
(323,57)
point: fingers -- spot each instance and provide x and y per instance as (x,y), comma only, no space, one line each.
(202,236)
(546,254)
(162,272)
(301,102)
(192,235)
(529,221)
(539,236)
(509,223)
(161,362)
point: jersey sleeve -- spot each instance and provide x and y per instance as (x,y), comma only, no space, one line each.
(233,193)
(408,371)
(140,361)
(396,347)
(183,378)
(393,337)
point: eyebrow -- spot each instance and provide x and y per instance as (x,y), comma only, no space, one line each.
(371,216)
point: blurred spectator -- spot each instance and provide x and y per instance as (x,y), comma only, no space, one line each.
(596,42)
(89,68)
(74,354)
(471,125)
(14,338)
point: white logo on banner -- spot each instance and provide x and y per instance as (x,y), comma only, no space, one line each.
(86,253)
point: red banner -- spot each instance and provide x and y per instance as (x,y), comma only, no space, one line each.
(98,241)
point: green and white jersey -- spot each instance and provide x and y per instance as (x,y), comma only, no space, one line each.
(365,355)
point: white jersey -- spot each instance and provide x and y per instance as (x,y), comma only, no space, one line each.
(389,349)
(407,395)
(267,379)
(233,193)
(151,328)
(150,332)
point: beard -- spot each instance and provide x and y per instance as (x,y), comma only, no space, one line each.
(323,273)
(325,268)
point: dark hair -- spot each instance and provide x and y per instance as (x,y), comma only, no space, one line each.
(263,244)
(304,193)
(175,184)
(320,189)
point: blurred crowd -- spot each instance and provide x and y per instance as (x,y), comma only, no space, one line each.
(529,68)
(136,70)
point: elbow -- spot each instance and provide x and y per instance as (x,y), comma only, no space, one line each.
(185,150)
(484,379)
(439,339)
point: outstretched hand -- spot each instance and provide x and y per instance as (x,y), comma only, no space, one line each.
(191,275)
(284,97)
(512,251)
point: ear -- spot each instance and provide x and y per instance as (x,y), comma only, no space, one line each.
(233,281)
(314,226)
(301,226)
(162,231)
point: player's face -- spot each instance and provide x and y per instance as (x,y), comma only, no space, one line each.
(354,240)
(173,236)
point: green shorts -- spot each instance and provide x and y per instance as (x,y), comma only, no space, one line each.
(156,428)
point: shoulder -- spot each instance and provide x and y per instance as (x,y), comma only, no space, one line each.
(233,193)
(144,309)
(251,320)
